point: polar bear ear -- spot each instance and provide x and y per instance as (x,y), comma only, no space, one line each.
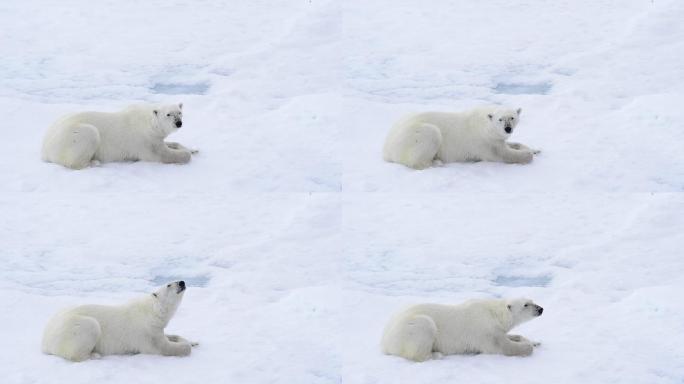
(509,307)
(180,105)
(155,112)
(519,110)
(490,116)
(155,294)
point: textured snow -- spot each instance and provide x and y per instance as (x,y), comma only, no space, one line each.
(296,240)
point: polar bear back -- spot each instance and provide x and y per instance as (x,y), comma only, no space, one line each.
(123,135)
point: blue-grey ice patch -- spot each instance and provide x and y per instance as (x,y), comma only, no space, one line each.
(192,281)
(200,88)
(523,88)
(522,281)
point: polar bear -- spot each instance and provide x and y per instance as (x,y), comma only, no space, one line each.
(134,133)
(87,331)
(421,140)
(476,326)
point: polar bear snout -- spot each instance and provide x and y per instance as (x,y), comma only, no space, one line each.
(508,129)
(181,286)
(179,124)
(539,310)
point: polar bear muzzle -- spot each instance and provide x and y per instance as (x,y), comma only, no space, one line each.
(180,286)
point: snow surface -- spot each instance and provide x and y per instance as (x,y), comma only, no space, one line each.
(297,240)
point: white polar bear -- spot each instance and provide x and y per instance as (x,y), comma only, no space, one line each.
(134,133)
(419,140)
(137,327)
(476,326)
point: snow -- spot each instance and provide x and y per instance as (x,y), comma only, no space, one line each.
(297,241)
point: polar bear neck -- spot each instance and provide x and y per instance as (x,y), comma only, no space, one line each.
(143,115)
(502,314)
(152,311)
(478,118)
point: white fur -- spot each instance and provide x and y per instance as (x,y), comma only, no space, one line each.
(477,326)
(87,331)
(420,140)
(135,133)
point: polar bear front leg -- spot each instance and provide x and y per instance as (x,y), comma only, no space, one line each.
(523,339)
(167,347)
(509,155)
(172,156)
(509,347)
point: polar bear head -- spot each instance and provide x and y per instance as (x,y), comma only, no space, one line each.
(166,300)
(523,310)
(503,122)
(168,118)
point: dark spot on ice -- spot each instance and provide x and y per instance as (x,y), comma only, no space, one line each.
(523,88)
(192,281)
(522,281)
(180,89)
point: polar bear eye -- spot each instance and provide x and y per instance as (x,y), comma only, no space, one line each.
(500,119)
(168,114)
(527,305)
(169,286)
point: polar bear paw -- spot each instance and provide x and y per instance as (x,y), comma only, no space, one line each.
(185,350)
(522,339)
(180,147)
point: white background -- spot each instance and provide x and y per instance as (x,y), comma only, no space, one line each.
(297,241)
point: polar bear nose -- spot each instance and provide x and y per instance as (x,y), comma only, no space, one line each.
(178,124)
(181,284)
(540,310)
(507,129)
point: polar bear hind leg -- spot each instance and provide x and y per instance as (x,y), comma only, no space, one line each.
(74,146)
(414,145)
(73,338)
(413,338)
(420,146)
